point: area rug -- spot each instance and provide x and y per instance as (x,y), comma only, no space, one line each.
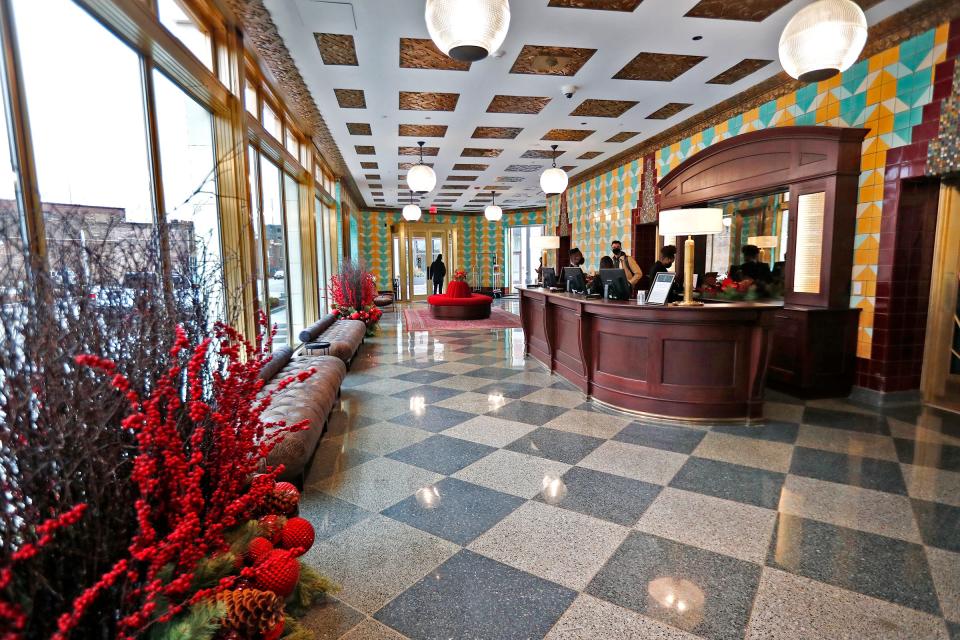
(421,320)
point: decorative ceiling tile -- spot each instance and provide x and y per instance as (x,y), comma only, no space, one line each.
(359,129)
(403,166)
(454,186)
(449,193)
(375,185)
(739,71)
(369,165)
(422,130)
(603,5)
(462,178)
(372,176)
(668,110)
(539,153)
(496,187)
(364,150)
(377,193)
(623,136)
(525,168)
(568,168)
(470,167)
(428,101)
(603,108)
(749,10)
(473,152)
(589,155)
(567,135)
(511,178)
(663,67)
(517,104)
(551,61)
(505,133)
(415,151)
(350,98)
(336,49)
(421,53)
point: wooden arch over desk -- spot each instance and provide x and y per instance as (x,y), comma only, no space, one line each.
(814,344)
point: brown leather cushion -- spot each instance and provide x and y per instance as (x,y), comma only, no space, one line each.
(383,300)
(311,333)
(278,360)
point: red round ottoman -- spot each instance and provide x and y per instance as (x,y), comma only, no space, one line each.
(458,303)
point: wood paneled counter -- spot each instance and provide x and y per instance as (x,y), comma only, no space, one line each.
(695,363)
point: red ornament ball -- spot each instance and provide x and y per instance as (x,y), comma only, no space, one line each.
(278,572)
(276,632)
(271,526)
(258,550)
(298,533)
(284,498)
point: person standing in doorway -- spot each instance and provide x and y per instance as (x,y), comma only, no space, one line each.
(438,273)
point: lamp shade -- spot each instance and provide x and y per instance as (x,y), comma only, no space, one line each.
(763,242)
(546,243)
(691,222)
(493,213)
(468,30)
(553,181)
(823,39)
(421,178)
(411,213)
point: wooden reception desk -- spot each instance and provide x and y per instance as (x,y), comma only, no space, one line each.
(694,363)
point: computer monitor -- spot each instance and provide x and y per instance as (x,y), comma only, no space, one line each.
(549,275)
(616,281)
(574,276)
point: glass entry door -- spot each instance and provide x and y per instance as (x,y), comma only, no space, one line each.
(419,266)
(524,256)
(419,245)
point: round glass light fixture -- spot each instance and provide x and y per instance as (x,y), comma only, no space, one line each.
(823,39)
(411,212)
(468,30)
(553,180)
(420,177)
(493,213)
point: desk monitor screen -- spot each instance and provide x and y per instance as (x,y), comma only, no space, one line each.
(660,289)
(574,276)
(549,277)
(617,281)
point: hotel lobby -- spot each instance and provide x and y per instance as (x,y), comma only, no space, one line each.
(480,319)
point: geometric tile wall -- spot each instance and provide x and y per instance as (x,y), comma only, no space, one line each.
(885,93)
(479,240)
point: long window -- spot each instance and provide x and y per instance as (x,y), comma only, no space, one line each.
(276,253)
(524,257)
(291,196)
(175,17)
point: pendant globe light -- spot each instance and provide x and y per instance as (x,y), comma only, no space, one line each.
(493,213)
(420,177)
(553,180)
(468,30)
(823,39)
(411,212)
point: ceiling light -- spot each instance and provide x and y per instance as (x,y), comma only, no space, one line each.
(493,213)
(823,39)
(420,177)
(553,180)
(411,212)
(468,30)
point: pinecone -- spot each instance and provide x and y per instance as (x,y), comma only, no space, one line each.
(283,500)
(251,612)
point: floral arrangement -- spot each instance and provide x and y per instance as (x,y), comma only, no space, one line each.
(353,290)
(460,275)
(214,553)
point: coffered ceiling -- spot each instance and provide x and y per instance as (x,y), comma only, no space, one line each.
(640,66)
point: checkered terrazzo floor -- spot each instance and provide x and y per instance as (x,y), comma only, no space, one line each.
(463,492)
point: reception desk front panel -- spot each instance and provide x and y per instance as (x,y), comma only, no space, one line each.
(695,363)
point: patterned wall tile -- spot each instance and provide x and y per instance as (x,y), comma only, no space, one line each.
(551,61)
(517,104)
(421,53)
(658,66)
(336,49)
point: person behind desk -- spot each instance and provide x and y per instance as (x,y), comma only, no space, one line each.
(626,262)
(596,286)
(576,258)
(752,268)
(668,255)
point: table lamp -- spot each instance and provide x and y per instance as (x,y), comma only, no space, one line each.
(763,243)
(690,222)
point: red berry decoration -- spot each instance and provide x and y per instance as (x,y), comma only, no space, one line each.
(258,550)
(278,572)
(298,533)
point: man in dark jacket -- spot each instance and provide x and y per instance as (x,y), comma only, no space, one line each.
(437,272)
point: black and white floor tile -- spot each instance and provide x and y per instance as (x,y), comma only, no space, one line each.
(464,492)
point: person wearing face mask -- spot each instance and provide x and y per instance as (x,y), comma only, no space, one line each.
(626,262)
(576,258)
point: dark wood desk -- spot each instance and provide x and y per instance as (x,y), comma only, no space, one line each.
(696,363)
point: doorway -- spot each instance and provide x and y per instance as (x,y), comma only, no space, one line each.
(416,246)
(940,381)
(524,255)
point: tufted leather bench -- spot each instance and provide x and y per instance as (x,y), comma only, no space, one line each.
(345,336)
(313,399)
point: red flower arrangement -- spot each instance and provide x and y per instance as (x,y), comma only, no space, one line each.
(353,290)
(460,275)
